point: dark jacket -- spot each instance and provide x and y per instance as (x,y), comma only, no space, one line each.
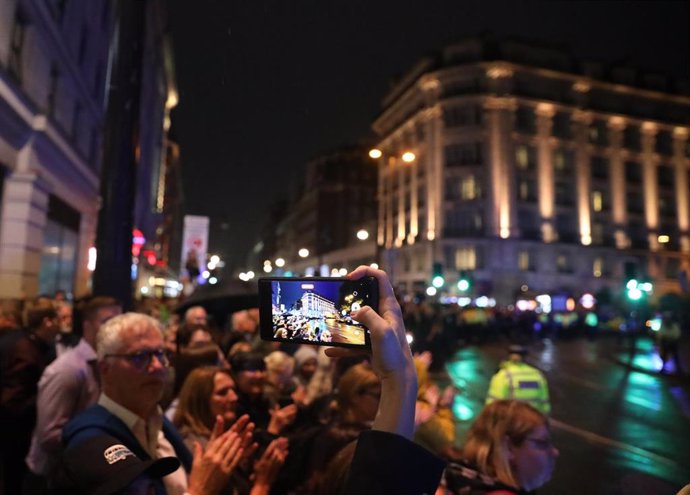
(97,420)
(385,463)
(463,479)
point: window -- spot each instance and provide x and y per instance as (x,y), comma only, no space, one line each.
(465,258)
(635,202)
(672,268)
(598,267)
(598,133)
(460,116)
(469,189)
(563,263)
(60,244)
(597,201)
(463,154)
(631,138)
(597,233)
(665,176)
(633,172)
(527,190)
(525,157)
(525,120)
(664,143)
(524,261)
(600,167)
(561,125)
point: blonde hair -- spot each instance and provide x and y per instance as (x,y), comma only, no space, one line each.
(502,420)
(352,384)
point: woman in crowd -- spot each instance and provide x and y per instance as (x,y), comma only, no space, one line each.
(279,384)
(249,373)
(508,450)
(209,394)
(356,403)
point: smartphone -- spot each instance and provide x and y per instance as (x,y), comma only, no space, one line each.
(315,310)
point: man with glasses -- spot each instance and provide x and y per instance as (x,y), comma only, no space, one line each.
(133,367)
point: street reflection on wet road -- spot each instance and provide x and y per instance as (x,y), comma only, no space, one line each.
(609,421)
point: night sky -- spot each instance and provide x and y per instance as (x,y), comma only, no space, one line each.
(267,85)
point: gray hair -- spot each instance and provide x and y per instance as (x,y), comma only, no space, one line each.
(109,339)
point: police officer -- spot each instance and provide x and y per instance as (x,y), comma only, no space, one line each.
(517,380)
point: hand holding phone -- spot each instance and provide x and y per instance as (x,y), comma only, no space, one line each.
(391,358)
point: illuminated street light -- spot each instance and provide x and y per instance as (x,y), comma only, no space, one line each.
(280,262)
(213,280)
(250,275)
(375,266)
(431,291)
(303,253)
(375,153)
(663,239)
(268,268)
(362,235)
(342,272)
(408,157)
(215,259)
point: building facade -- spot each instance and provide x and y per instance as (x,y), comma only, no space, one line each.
(54,58)
(533,171)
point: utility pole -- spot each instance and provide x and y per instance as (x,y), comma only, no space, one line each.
(112,276)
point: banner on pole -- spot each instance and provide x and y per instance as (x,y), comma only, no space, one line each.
(194,246)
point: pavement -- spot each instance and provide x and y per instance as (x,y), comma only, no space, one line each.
(641,354)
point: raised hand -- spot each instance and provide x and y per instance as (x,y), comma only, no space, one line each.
(245,429)
(267,466)
(281,417)
(391,357)
(212,467)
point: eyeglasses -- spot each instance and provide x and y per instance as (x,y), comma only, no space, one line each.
(142,359)
(541,443)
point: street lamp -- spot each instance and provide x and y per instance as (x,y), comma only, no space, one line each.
(280,262)
(362,235)
(375,153)
(303,253)
(408,157)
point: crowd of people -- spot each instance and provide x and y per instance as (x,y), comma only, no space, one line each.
(133,406)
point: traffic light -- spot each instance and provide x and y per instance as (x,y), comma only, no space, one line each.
(437,278)
(464,282)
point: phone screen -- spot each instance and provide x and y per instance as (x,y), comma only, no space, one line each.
(315,310)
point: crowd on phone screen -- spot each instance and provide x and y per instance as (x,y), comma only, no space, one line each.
(146,403)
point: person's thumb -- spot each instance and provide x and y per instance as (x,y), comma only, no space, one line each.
(372,320)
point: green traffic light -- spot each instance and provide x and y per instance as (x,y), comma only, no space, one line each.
(463,285)
(438,281)
(634,294)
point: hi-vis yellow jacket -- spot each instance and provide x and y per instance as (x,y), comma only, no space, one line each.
(520,381)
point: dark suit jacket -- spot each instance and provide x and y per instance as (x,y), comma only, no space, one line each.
(385,463)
